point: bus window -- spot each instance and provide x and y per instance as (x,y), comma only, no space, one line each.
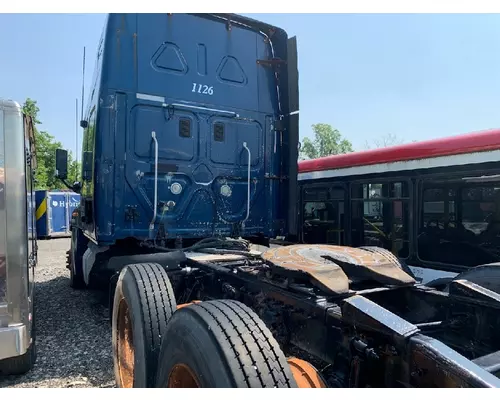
(479,210)
(460,225)
(380,216)
(323,215)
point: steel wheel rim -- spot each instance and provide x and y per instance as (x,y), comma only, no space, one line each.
(305,375)
(125,346)
(181,376)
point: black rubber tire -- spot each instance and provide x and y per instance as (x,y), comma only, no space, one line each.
(225,345)
(148,294)
(111,295)
(391,257)
(76,280)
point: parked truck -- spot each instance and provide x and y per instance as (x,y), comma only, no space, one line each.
(189,168)
(18,249)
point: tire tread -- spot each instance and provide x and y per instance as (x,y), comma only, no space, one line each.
(153,286)
(158,304)
(262,364)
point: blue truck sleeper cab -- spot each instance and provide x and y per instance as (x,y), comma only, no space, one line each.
(191,131)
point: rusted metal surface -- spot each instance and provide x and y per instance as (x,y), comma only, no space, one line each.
(179,306)
(305,375)
(332,268)
(308,259)
(182,376)
(125,347)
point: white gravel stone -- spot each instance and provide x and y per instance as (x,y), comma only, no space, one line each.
(73,329)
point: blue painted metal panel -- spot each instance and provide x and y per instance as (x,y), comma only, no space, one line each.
(41,213)
(205,91)
(73,202)
(53,212)
(57,213)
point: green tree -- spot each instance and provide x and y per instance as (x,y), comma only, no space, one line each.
(31,109)
(327,141)
(46,146)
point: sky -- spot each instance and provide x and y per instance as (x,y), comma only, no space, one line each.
(415,76)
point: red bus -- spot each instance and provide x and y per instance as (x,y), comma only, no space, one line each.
(435,204)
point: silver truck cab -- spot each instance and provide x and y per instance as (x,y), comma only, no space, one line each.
(18,249)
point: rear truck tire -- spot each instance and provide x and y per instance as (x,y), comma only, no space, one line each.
(76,280)
(221,344)
(143,304)
(391,257)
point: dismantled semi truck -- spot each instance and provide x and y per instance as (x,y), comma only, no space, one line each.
(189,168)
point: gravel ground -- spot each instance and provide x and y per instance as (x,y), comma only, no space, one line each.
(73,329)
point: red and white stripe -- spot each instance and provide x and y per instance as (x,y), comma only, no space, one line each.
(472,148)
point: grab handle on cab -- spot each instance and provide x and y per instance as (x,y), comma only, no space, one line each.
(155,203)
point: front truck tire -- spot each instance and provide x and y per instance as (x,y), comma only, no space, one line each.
(143,304)
(221,344)
(75,260)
